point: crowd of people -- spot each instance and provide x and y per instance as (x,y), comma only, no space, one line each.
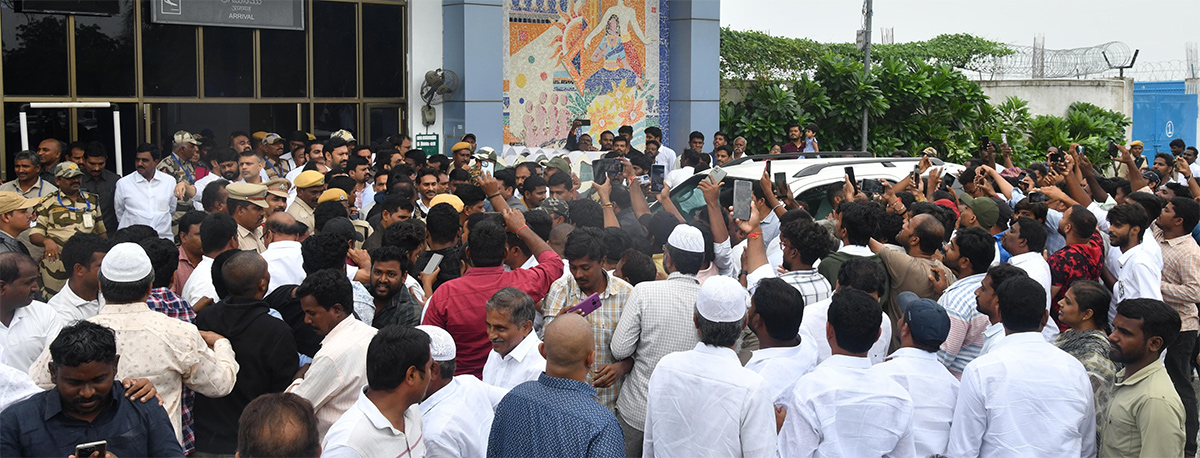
(291,297)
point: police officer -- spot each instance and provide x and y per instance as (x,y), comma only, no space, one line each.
(60,216)
(309,186)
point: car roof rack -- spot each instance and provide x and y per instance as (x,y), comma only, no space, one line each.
(812,155)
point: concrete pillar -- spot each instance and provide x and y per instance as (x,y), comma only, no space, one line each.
(472,48)
(695,49)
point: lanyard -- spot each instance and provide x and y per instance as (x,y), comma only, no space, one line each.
(68,207)
(182,168)
(41,182)
(272,166)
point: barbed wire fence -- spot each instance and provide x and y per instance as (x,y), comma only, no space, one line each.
(1108,60)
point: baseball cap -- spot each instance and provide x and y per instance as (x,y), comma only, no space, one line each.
(249,192)
(556,205)
(927,321)
(184,136)
(985,209)
(343,227)
(272,138)
(10,201)
(559,163)
(67,169)
(344,135)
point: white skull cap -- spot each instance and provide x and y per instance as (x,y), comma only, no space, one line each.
(126,263)
(722,300)
(441,345)
(687,238)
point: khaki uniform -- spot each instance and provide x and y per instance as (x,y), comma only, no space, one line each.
(303,213)
(250,240)
(40,190)
(59,223)
(277,168)
(183,171)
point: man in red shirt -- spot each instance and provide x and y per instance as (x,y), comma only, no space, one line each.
(459,305)
(795,137)
(1081,259)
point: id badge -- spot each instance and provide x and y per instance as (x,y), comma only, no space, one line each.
(88,221)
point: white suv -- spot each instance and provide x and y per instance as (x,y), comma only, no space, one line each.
(807,178)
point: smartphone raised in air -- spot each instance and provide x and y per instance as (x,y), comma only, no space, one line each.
(743,198)
(658,175)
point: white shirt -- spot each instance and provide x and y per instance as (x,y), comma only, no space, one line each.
(1195,166)
(415,288)
(933,390)
(70,307)
(338,371)
(812,327)
(667,156)
(780,367)
(1037,268)
(674,177)
(992,335)
(284,263)
(1138,272)
(363,431)
(30,331)
(15,385)
(458,418)
(199,285)
(138,201)
(522,364)
(844,409)
(734,418)
(1024,398)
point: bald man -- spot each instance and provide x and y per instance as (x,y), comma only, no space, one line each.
(921,237)
(264,347)
(561,400)
(284,261)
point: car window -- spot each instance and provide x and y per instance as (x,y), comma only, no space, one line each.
(814,200)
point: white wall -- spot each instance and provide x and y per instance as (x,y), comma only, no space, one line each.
(425,53)
(1054,96)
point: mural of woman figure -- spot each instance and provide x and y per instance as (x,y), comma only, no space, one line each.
(621,61)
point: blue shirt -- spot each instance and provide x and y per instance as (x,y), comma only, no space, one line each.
(38,427)
(1004,254)
(554,417)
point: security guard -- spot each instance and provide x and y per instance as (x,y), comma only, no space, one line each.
(179,162)
(59,217)
(247,204)
(309,186)
(277,195)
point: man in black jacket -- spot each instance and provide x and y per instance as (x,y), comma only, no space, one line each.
(264,345)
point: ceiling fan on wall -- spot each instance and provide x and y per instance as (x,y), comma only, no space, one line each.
(438,87)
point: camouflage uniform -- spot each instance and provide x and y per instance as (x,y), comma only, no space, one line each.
(183,171)
(277,168)
(58,223)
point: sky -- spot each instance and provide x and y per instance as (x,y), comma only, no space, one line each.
(1158,28)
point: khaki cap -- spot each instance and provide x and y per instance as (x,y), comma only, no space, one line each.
(10,201)
(249,192)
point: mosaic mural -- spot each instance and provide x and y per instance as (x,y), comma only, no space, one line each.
(600,60)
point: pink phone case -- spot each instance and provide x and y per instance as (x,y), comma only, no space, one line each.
(587,306)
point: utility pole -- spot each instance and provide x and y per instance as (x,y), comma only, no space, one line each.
(867,11)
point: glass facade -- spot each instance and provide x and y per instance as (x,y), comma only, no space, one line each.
(346,70)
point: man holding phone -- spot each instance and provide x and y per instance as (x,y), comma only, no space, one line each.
(585,251)
(87,404)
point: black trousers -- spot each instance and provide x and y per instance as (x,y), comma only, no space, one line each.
(1179,367)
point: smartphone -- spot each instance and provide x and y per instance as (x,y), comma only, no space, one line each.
(658,173)
(1057,157)
(600,171)
(983,142)
(1003,137)
(488,168)
(743,198)
(948,181)
(1079,149)
(585,122)
(86,450)
(915,176)
(1112,149)
(767,167)
(717,174)
(586,306)
(850,173)
(1036,197)
(615,169)
(434,261)
(1021,179)
(871,186)
(643,179)
(780,180)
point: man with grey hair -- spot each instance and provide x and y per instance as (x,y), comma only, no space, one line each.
(736,417)
(170,352)
(514,358)
(284,260)
(29,183)
(739,147)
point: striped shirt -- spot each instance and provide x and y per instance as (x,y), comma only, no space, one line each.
(965,341)
(811,284)
(163,300)
(656,321)
(565,293)
(1181,277)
